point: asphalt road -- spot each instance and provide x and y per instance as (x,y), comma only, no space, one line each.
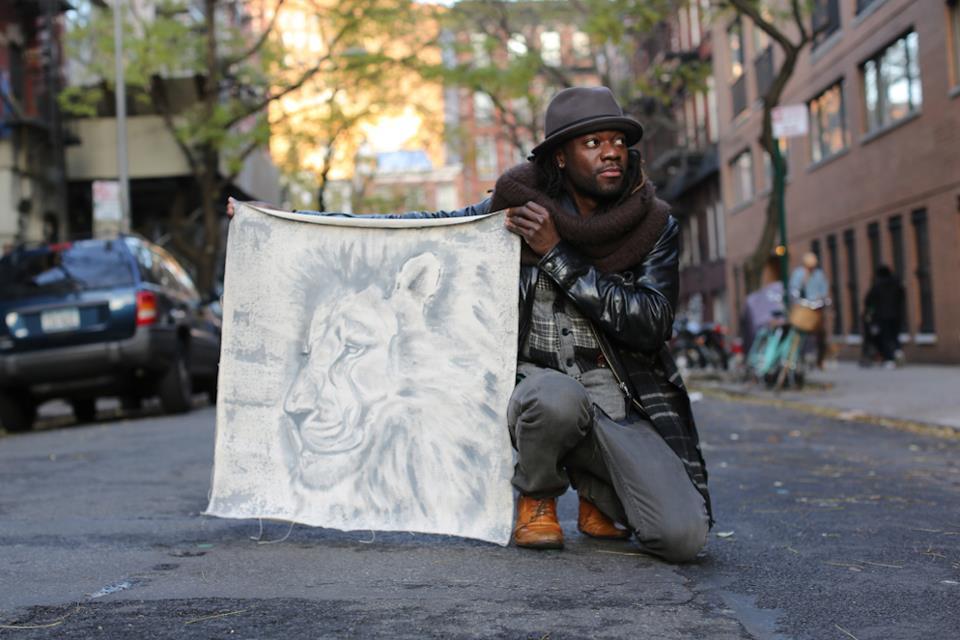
(825,529)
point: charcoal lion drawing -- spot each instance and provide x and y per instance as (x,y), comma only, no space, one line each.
(380,426)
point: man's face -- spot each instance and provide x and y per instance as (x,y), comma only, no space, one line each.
(595,164)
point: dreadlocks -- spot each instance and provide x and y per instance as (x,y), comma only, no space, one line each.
(550,178)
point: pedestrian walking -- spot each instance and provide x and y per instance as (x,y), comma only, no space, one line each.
(883,315)
(809,290)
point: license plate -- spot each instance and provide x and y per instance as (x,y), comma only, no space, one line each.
(60,320)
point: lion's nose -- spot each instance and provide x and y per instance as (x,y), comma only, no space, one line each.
(302,397)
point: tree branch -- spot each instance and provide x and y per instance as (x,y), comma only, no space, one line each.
(749,9)
(229,62)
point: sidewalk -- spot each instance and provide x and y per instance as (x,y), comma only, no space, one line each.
(918,393)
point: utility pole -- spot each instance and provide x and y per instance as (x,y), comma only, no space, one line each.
(779,177)
(120,92)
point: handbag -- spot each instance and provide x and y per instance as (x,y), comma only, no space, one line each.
(804,318)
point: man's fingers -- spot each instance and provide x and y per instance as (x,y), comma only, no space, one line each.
(525,213)
(524,222)
(538,208)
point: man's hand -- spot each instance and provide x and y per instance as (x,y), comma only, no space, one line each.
(230,204)
(534,224)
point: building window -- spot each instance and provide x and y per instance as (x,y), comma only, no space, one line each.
(828,132)
(486,158)
(853,288)
(955,31)
(873,238)
(483,109)
(738,87)
(695,35)
(863,4)
(741,173)
(763,54)
(763,66)
(712,110)
(580,45)
(891,83)
(815,250)
(924,285)
(835,284)
(895,228)
(550,48)
(826,19)
(516,46)
(478,46)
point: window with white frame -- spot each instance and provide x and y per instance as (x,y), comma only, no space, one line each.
(580,44)
(516,46)
(483,109)
(735,41)
(550,48)
(891,83)
(741,178)
(486,160)
(695,35)
(828,132)
(478,46)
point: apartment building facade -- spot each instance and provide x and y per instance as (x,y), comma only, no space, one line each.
(877,178)
(487,136)
(687,174)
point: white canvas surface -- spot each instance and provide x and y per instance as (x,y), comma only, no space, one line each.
(365,373)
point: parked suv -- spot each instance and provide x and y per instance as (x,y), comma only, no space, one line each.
(117,317)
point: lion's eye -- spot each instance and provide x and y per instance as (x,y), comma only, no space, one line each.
(353,348)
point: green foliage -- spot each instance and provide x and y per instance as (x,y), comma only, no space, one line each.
(620,34)
(216,82)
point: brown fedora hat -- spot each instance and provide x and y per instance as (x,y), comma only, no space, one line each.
(578,110)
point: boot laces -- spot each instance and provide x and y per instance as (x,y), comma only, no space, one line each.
(543,507)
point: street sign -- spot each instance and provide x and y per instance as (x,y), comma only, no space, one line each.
(789,121)
(106,200)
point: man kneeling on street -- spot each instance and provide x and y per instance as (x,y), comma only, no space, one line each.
(599,403)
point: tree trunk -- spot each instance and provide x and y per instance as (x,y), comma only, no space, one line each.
(754,265)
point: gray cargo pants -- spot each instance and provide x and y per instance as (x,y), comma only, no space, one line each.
(624,468)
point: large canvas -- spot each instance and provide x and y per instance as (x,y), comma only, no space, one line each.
(365,373)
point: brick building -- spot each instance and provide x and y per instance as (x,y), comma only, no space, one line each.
(687,174)
(487,138)
(877,180)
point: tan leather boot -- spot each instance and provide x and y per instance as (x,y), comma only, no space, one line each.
(592,522)
(537,526)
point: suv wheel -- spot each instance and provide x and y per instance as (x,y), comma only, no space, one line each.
(84,409)
(175,389)
(16,415)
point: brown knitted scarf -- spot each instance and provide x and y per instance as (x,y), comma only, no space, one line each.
(614,240)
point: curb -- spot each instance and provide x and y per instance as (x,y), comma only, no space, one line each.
(846,415)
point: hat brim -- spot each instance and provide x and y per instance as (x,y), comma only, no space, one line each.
(630,127)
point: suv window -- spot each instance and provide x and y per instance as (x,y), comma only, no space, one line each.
(145,261)
(78,266)
(172,275)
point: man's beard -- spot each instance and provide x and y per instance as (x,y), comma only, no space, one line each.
(589,185)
